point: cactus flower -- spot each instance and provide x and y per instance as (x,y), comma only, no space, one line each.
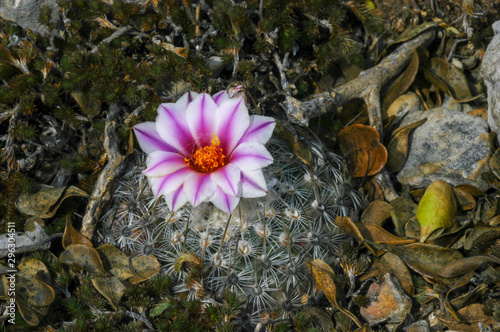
(206,148)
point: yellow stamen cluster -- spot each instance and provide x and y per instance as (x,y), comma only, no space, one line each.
(208,158)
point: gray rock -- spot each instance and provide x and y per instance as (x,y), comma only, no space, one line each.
(420,326)
(387,302)
(496,27)
(25,13)
(454,105)
(450,146)
(490,70)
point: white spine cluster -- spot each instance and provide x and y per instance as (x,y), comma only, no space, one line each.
(260,251)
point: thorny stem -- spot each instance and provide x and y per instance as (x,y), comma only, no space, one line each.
(186,232)
(224,234)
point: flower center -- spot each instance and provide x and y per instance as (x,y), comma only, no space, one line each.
(208,158)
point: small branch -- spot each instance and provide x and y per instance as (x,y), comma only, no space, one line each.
(121,31)
(366,86)
(102,193)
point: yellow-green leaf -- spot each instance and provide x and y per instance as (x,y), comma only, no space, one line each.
(436,209)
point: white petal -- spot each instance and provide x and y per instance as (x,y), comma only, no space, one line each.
(253,184)
(233,121)
(223,201)
(186,98)
(176,199)
(172,126)
(227,178)
(149,139)
(260,130)
(201,118)
(251,156)
(167,184)
(220,97)
(198,188)
(161,163)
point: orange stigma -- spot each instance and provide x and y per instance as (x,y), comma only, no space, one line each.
(208,158)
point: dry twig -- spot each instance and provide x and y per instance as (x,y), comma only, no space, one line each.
(102,190)
(366,86)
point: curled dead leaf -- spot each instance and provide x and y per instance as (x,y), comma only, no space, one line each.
(46,201)
(464,198)
(361,147)
(392,264)
(398,146)
(84,257)
(128,269)
(448,78)
(33,291)
(300,149)
(111,288)
(72,236)
(427,260)
(323,274)
(402,83)
(466,264)
(376,212)
(480,235)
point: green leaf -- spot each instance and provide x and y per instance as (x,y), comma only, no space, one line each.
(436,209)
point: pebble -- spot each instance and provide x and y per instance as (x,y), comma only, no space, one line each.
(387,302)
(450,146)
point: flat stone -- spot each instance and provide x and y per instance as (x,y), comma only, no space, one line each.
(25,13)
(490,70)
(450,146)
(454,105)
(420,326)
(387,302)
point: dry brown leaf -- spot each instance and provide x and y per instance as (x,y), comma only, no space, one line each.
(464,198)
(448,78)
(409,33)
(133,270)
(376,212)
(480,235)
(300,149)
(320,317)
(469,297)
(89,105)
(479,113)
(323,274)
(403,209)
(377,234)
(348,226)
(33,291)
(472,316)
(84,257)
(111,288)
(392,264)
(495,163)
(46,201)
(361,147)
(399,145)
(402,83)
(72,236)
(427,260)
(465,265)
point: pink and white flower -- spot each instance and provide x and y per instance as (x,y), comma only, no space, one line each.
(205,148)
